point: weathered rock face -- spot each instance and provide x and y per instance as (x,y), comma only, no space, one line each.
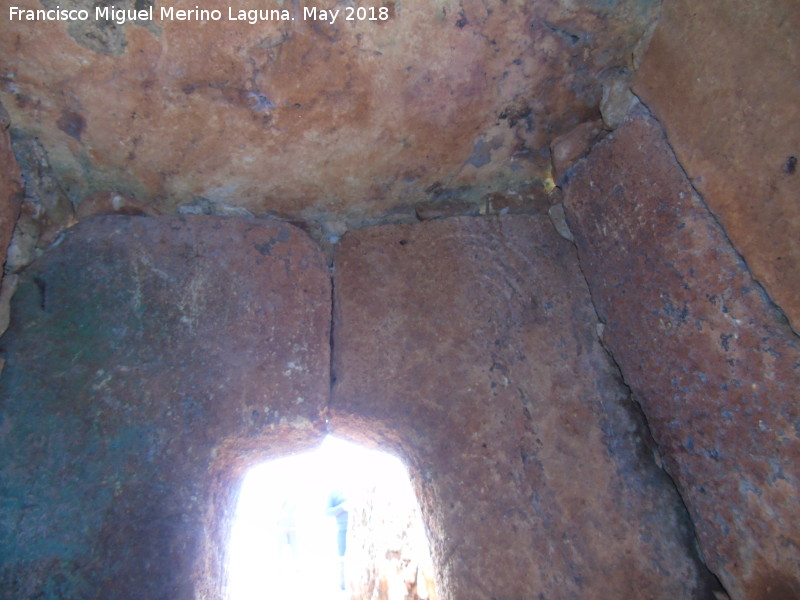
(10,197)
(714,365)
(470,346)
(722,78)
(147,364)
(444,100)
(10,187)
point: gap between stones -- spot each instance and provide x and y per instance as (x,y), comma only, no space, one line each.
(758,284)
(650,441)
(635,406)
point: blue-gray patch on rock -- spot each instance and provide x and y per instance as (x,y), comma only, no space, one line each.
(481,154)
(101,35)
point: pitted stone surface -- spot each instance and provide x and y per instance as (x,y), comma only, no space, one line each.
(722,78)
(469,345)
(305,118)
(148,362)
(713,363)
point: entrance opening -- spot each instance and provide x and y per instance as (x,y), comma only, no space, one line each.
(340,522)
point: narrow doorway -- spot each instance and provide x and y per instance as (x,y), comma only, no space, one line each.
(339,522)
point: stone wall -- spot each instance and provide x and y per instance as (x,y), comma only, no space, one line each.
(713,363)
(148,363)
(470,347)
(722,78)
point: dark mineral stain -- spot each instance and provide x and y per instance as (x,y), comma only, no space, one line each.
(42,287)
(71,123)
(266,247)
(791,165)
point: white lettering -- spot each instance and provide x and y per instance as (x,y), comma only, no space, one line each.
(320,14)
(253,16)
(170,13)
(120,16)
(52,14)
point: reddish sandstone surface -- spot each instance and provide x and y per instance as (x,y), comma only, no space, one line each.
(469,345)
(713,363)
(722,78)
(148,363)
(446,99)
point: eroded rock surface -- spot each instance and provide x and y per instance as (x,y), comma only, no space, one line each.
(713,363)
(10,187)
(469,345)
(722,78)
(10,200)
(149,361)
(453,98)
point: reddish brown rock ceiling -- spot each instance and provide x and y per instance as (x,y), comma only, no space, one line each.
(722,76)
(446,99)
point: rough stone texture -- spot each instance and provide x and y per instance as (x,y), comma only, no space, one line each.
(722,78)
(10,188)
(713,363)
(571,146)
(469,346)
(149,361)
(10,200)
(302,118)
(618,99)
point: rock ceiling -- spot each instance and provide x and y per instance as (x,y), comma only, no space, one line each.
(358,121)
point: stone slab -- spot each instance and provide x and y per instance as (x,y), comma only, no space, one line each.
(268,117)
(469,346)
(721,76)
(148,363)
(713,363)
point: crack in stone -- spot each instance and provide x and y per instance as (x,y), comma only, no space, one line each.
(636,407)
(702,202)
(650,441)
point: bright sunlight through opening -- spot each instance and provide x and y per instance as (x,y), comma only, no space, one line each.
(340,522)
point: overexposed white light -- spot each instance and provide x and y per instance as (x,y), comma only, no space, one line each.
(284,542)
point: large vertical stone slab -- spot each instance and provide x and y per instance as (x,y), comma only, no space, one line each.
(469,345)
(713,363)
(148,362)
(722,77)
